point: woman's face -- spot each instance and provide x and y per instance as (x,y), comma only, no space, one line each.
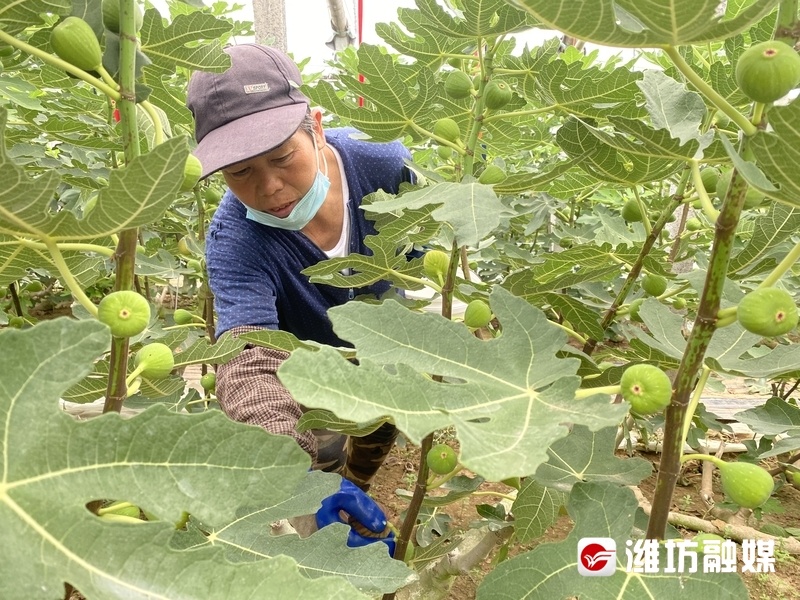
(276,181)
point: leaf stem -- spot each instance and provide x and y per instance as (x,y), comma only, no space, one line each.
(708,208)
(66,246)
(782,268)
(698,392)
(706,90)
(583,393)
(154,118)
(69,279)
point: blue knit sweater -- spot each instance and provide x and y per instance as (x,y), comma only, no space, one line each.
(254,270)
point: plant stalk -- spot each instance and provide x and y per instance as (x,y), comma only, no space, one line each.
(116,391)
(692,361)
(611,313)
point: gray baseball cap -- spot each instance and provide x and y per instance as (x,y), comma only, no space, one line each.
(248,110)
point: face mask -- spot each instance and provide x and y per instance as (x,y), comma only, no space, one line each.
(305,210)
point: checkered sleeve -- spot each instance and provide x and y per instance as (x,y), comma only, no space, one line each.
(249,391)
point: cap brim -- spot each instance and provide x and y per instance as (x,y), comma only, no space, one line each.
(247,137)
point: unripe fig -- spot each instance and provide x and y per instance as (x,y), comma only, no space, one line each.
(710,176)
(181,316)
(183,247)
(496,94)
(73,40)
(212,195)
(441,459)
(633,310)
(208,382)
(125,312)
(435,264)
(753,198)
(157,360)
(767,311)
(492,174)
(647,388)
(631,212)
(654,285)
(694,224)
(747,484)
(477,314)
(444,152)
(768,71)
(191,173)
(111,15)
(458,85)
(447,129)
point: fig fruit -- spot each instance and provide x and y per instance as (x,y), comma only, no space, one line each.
(492,174)
(647,388)
(447,129)
(752,199)
(710,176)
(208,381)
(181,316)
(458,85)
(477,314)
(654,285)
(767,312)
(631,212)
(156,360)
(111,15)
(435,264)
(73,40)
(694,224)
(441,459)
(125,312)
(191,173)
(746,484)
(496,94)
(768,71)
(444,152)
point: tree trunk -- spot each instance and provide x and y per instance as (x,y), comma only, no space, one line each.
(269,18)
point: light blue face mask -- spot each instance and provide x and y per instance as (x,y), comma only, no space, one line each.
(305,210)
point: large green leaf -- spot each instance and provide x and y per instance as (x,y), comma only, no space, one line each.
(599,510)
(398,99)
(176,44)
(535,509)
(616,158)
(770,230)
(508,398)
(589,456)
(250,538)
(473,210)
(777,152)
(773,418)
(648,23)
(205,464)
(487,18)
(17,16)
(136,195)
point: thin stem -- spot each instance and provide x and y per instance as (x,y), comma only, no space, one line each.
(518,113)
(154,118)
(583,393)
(705,202)
(55,61)
(69,279)
(498,494)
(698,392)
(782,268)
(706,90)
(570,332)
(709,457)
(758,113)
(64,246)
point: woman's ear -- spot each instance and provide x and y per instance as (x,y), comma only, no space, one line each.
(316,116)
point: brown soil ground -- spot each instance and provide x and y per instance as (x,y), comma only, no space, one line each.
(399,472)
